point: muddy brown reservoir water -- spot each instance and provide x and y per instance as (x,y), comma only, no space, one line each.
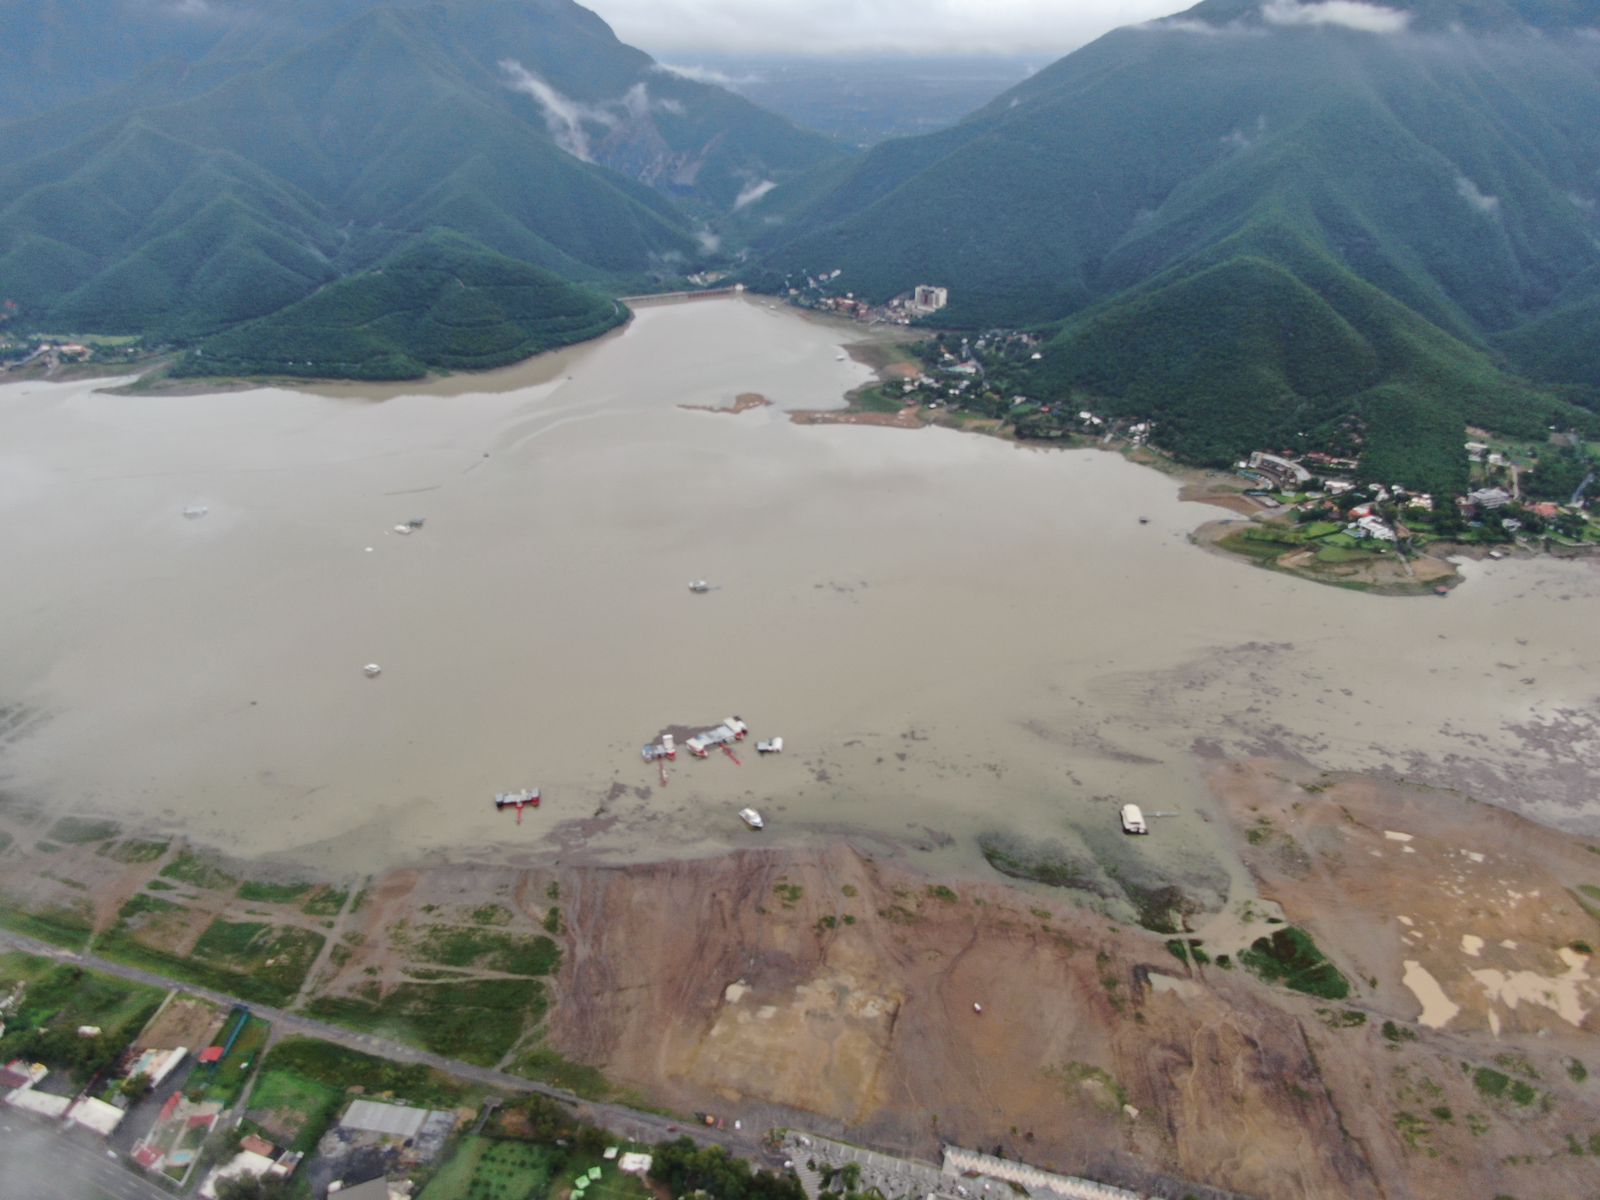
(952,634)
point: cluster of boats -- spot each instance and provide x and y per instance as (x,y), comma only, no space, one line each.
(731,731)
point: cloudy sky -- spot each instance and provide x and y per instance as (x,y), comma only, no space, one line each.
(1021,27)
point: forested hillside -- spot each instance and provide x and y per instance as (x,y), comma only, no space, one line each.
(232,159)
(1259,218)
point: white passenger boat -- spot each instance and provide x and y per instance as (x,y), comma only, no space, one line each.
(751,818)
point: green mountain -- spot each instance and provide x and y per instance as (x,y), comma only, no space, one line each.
(231,159)
(441,302)
(1256,221)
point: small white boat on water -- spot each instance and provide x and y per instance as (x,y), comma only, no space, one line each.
(751,818)
(699,585)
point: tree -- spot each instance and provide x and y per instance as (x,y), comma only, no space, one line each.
(249,1187)
(137,1087)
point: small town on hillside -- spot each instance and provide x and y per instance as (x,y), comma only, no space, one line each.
(1520,494)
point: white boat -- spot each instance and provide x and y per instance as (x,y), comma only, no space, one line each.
(699,585)
(770,746)
(373,670)
(751,818)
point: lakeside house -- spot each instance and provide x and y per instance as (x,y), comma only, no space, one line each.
(1489,498)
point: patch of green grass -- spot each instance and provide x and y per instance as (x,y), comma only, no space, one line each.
(849,889)
(1291,958)
(325,901)
(288,1105)
(939,892)
(492,914)
(544,1064)
(197,871)
(255,961)
(135,850)
(473,1020)
(489,948)
(552,920)
(1576,1071)
(1499,1086)
(63,926)
(789,893)
(1342,1018)
(337,1067)
(80,831)
(1178,949)
(272,893)
(1398,1033)
(828,922)
(1412,1128)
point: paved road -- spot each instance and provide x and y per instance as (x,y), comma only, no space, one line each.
(39,1161)
(626,1122)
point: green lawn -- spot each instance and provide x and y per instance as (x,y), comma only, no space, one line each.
(334,1066)
(288,1105)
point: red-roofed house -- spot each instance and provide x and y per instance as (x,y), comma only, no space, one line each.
(258,1145)
(211,1054)
(148,1157)
(1546,509)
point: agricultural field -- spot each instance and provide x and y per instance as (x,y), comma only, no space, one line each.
(45,1004)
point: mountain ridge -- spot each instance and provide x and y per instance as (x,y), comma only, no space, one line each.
(1454,175)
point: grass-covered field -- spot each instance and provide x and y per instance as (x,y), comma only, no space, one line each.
(254,960)
(489,948)
(474,1020)
(189,868)
(61,925)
